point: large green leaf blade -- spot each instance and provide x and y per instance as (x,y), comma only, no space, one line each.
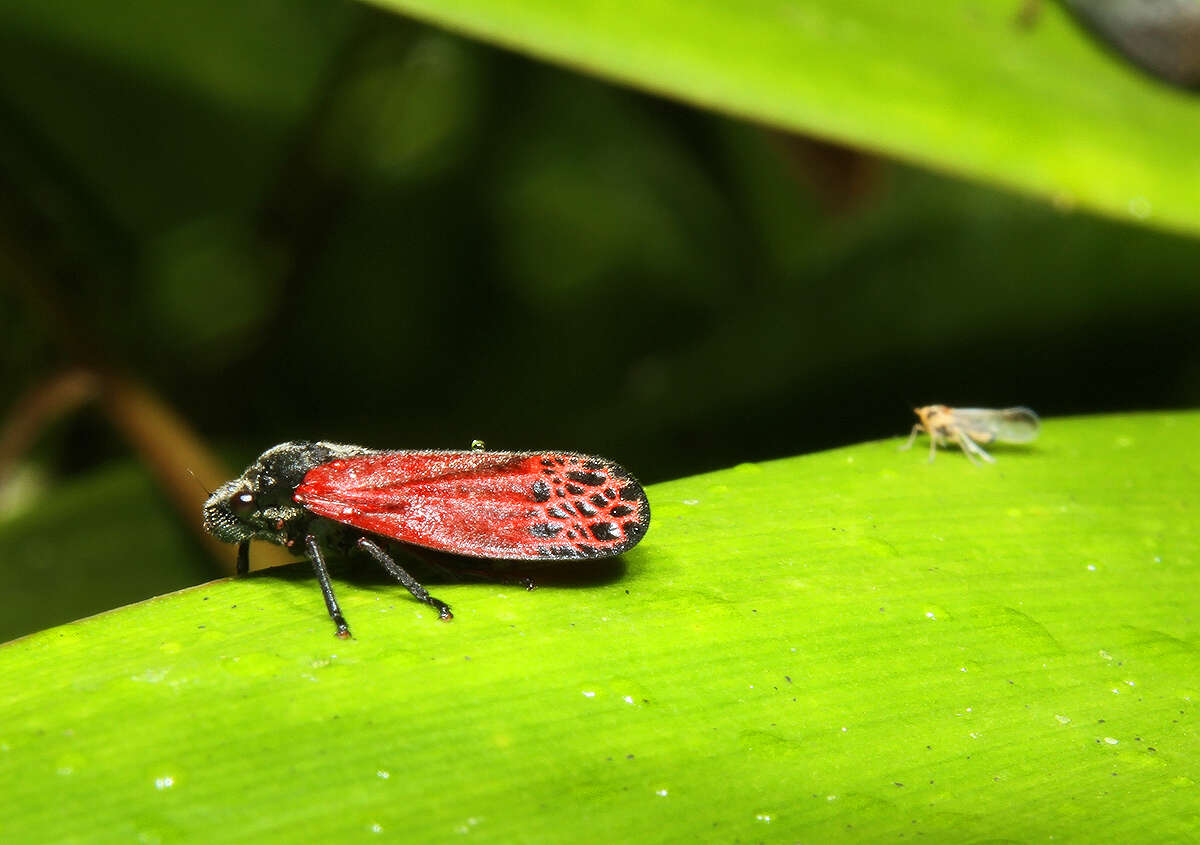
(958,87)
(853,641)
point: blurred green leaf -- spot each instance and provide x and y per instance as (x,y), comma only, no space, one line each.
(961,87)
(167,117)
(853,642)
(717,295)
(89,545)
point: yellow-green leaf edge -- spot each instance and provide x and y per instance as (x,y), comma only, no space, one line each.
(852,643)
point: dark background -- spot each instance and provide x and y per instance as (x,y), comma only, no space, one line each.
(309,220)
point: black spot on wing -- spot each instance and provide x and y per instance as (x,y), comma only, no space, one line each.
(544,529)
(605,531)
(607,513)
(541,491)
(590,479)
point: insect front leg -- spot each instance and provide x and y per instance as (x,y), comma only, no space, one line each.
(396,571)
(243,558)
(912,437)
(331,604)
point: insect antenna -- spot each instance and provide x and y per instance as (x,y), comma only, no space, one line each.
(207,492)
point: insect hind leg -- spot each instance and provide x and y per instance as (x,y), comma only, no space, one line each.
(398,572)
(971,449)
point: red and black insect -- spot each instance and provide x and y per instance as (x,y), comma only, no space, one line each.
(531,506)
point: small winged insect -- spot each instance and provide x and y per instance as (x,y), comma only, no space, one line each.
(970,427)
(516,506)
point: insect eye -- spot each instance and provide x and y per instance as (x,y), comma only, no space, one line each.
(242,503)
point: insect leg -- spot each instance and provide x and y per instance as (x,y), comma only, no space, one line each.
(396,571)
(318,562)
(912,437)
(971,449)
(243,558)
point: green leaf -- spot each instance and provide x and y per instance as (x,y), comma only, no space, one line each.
(959,87)
(857,641)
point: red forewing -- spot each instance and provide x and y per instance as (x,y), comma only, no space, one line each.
(511,505)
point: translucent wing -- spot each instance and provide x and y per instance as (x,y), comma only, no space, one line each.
(509,505)
(1006,425)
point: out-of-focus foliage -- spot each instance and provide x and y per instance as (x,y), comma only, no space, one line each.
(307,219)
(1012,92)
(98,542)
